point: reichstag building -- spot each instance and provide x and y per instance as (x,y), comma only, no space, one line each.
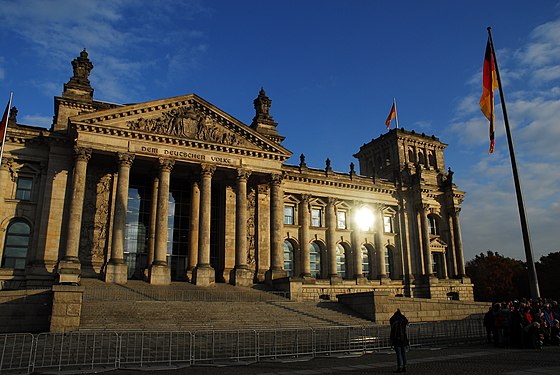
(176,190)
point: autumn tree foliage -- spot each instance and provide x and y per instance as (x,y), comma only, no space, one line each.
(548,273)
(497,278)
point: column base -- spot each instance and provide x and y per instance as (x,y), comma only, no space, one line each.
(274,274)
(335,279)
(242,277)
(160,274)
(116,273)
(361,280)
(69,272)
(204,276)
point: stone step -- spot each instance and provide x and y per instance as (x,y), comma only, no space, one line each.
(134,312)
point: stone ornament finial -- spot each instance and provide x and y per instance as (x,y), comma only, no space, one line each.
(82,66)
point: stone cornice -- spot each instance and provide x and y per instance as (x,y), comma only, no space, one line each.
(338,180)
(169,140)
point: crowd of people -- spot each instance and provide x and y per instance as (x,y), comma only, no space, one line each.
(523,324)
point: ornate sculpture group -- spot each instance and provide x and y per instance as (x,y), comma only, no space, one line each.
(187,122)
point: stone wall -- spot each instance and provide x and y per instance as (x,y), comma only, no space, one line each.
(379,306)
(66,308)
(25,311)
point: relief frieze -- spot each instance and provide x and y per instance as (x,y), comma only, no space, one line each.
(188,122)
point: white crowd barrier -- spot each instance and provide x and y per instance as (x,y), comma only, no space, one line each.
(87,351)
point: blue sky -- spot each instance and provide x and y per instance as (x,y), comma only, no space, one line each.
(331,69)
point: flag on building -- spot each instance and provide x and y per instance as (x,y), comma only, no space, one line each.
(489,84)
(392,115)
(4,126)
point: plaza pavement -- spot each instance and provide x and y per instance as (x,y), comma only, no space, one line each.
(472,360)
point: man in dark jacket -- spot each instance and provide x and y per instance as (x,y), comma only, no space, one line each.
(399,338)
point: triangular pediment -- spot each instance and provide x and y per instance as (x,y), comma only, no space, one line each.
(436,244)
(184,120)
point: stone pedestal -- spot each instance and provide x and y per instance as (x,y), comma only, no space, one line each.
(204,276)
(66,308)
(116,273)
(243,277)
(160,275)
(274,275)
(361,280)
(69,272)
(335,280)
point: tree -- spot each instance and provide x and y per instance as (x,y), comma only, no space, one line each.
(497,278)
(547,272)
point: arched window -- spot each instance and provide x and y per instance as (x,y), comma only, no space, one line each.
(16,245)
(431,159)
(315,260)
(367,263)
(433,225)
(340,261)
(288,258)
(411,158)
(421,157)
(388,261)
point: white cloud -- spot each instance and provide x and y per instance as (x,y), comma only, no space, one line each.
(58,30)
(36,120)
(490,217)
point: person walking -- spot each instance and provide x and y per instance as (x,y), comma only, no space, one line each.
(399,338)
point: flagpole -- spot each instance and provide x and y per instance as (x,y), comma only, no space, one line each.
(396,116)
(6,128)
(533,281)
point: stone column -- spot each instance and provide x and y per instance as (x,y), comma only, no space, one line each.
(444,265)
(451,260)
(458,242)
(357,247)
(192,258)
(204,274)
(331,241)
(160,273)
(117,270)
(243,275)
(304,218)
(423,212)
(277,227)
(69,267)
(379,246)
(152,228)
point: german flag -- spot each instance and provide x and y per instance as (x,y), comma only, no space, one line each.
(391,116)
(489,84)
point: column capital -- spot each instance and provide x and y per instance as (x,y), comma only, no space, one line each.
(276,178)
(454,211)
(331,201)
(243,174)
(166,164)
(207,169)
(125,159)
(82,153)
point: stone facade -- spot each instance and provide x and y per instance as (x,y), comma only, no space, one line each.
(176,189)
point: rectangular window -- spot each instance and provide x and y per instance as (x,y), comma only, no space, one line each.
(315,217)
(24,187)
(289,213)
(388,224)
(341,219)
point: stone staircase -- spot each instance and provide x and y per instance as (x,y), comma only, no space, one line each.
(185,307)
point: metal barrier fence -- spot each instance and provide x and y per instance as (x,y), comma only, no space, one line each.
(84,351)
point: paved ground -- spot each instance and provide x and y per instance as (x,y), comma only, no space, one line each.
(468,360)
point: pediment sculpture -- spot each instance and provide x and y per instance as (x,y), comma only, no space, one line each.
(188,122)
